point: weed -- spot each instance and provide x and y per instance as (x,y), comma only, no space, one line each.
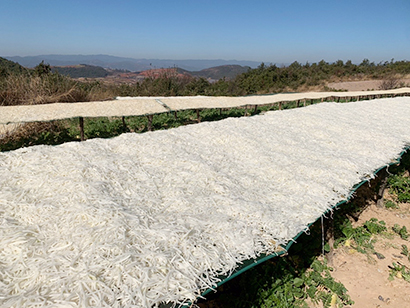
(361,238)
(399,271)
(402,231)
(400,187)
(391,205)
(405,251)
(29,134)
(316,283)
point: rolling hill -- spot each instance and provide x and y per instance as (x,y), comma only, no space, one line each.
(82,70)
(91,71)
(222,71)
(122,63)
(7,66)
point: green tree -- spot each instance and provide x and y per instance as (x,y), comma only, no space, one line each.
(42,69)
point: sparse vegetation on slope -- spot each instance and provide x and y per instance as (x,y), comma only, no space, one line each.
(83,70)
(221,72)
(8,67)
(41,86)
(176,82)
(273,79)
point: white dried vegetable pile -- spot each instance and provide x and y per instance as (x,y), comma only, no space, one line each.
(142,219)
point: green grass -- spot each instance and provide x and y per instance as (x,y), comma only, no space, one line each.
(361,238)
(400,187)
(401,231)
(391,205)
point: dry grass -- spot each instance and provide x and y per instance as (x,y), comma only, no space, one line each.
(52,88)
(392,81)
(27,130)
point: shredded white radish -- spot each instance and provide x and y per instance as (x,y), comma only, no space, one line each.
(144,219)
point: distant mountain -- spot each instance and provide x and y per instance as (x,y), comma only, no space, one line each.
(222,71)
(213,73)
(82,70)
(129,64)
(91,71)
(96,71)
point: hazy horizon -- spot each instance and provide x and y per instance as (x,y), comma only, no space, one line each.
(215,59)
(261,31)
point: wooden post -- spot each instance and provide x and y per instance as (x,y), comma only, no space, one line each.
(298,103)
(197,116)
(330,238)
(124,125)
(382,187)
(220,111)
(81,122)
(175,115)
(280,105)
(255,109)
(150,122)
(304,102)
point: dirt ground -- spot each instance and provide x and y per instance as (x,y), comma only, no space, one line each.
(366,277)
(363,85)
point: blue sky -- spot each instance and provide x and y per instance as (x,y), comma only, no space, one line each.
(273,31)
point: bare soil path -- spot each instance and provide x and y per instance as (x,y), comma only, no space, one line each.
(367,276)
(363,85)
